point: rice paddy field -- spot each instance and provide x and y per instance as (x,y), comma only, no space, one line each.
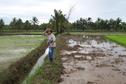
(121,39)
(93,59)
(14,47)
(80,58)
(85,59)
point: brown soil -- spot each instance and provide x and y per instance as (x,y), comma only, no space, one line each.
(92,60)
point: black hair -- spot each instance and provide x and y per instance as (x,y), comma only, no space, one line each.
(49,30)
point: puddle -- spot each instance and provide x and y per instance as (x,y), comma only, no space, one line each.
(93,61)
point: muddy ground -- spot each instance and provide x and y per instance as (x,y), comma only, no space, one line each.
(92,60)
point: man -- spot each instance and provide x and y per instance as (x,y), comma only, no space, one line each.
(51,43)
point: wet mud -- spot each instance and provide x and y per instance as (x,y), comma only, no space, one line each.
(92,60)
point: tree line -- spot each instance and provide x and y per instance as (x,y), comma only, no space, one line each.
(60,23)
(111,25)
(18,24)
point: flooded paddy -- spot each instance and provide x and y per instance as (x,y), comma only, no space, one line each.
(14,47)
(92,60)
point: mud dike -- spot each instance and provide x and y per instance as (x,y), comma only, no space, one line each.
(92,60)
(38,64)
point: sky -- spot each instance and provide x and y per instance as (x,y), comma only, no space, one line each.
(43,9)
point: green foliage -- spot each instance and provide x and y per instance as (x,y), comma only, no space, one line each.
(27,25)
(99,25)
(35,21)
(1,23)
(18,24)
(58,21)
(121,39)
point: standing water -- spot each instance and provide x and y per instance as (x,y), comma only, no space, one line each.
(93,61)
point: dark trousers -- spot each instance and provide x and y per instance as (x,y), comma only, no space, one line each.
(51,53)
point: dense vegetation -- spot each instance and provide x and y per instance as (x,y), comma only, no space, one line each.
(60,23)
(118,39)
(100,25)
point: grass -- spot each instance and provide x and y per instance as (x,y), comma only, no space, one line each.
(48,73)
(120,39)
(99,33)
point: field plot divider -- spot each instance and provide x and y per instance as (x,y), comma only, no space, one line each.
(38,64)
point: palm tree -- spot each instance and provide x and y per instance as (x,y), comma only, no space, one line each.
(19,24)
(13,23)
(27,25)
(1,23)
(59,19)
(123,26)
(98,23)
(118,24)
(35,21)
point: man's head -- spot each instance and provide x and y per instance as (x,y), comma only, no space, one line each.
(48,31)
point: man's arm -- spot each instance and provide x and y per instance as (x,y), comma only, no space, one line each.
(45,33)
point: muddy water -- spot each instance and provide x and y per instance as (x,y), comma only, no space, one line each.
(93,61)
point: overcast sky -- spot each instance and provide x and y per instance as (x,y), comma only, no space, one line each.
(43,9)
